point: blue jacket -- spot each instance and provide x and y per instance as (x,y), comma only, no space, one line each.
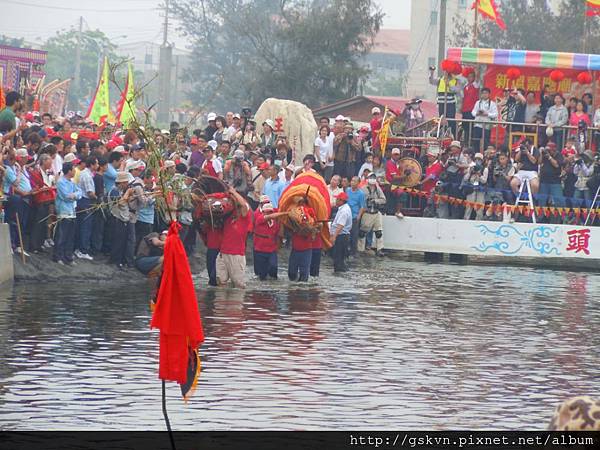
(67,194)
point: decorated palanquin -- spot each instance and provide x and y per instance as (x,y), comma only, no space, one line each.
(306,200)
(212,203)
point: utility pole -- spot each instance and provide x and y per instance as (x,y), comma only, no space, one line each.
(442,36)
(164,72)
(77,76)
(476,27)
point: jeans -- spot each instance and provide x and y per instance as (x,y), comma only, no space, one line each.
(211,265)
(450,113)
(265,264)
(551,190)
(16,206)
(98,230)
(39,226)
(64,240)
(479,135)
(344,169)
(315,262)
(467,126)
(299,265)
(586,196)
(354,236)
(85,223)
(339,252)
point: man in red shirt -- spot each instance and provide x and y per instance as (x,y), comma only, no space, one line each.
(392,175)
(315,258)
(300,257)
(432,172)
(266,235)
(211,165)
(212,238)
(231,262)
(470,97)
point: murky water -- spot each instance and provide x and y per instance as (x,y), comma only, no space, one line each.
(394,344)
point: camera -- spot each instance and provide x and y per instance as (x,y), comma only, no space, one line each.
(579,161)
(478,168)
(350,135)
(544,151)
(246,113)
(432,68)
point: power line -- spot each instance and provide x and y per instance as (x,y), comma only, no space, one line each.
(75,10)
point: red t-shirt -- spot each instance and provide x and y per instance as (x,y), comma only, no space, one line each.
(212,237)
(265,235)
(434,170)
(471,95)
(302,242)
(391,170)
(375,127)
(235,232)
(568,152)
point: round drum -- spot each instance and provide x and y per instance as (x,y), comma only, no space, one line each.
(411,170)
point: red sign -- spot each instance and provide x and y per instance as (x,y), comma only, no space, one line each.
(534,79)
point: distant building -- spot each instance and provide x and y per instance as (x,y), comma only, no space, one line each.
(389,55)
(425,28)
(21,67)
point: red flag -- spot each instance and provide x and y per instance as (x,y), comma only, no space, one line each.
(178,318)
(488,9)
(594,8)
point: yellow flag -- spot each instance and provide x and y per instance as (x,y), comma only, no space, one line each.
(488,9)
(384,132)
(99,110)
(126,110)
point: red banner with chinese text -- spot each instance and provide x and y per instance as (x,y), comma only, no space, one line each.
(534,79)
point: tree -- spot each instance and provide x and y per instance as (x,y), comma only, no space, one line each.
(534,26)
(385,86)
(306,50)
(13,42)
(61,60)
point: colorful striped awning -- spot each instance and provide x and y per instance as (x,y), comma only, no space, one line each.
(524,58)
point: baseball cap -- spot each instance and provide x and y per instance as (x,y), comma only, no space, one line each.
(213,144)
(194,141)
(169,163)
(455,144)
(376,110)
(122,177)
(70,157)
(478,155)
(133,165)
(237,116)
(340,118)
(270,123)
(395,151)
(238,154)
(211,116)
(264,166)
(342,196)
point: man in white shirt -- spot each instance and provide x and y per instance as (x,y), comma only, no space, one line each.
(84,208)
(232,131)
(485,110)
(340,232)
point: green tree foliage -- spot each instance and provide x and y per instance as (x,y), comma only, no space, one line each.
(13,42)
(534,26)
(61,60)
(386,86)
(306,50)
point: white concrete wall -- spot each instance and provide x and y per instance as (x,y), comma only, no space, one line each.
(470,237)
(6,259)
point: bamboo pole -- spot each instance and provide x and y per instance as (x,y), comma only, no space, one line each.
(22,246)
(476,26)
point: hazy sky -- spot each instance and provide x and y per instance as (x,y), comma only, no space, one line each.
(139,20)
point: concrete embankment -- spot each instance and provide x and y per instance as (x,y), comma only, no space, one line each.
(6,259)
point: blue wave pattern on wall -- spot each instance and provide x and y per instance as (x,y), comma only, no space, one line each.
(509,240)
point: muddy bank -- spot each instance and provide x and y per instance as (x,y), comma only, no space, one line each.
(40,267)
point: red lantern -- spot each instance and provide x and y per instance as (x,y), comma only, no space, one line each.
(584,78)
(457,69)
(467,71)
(447,65)
(557,76)
(513,73)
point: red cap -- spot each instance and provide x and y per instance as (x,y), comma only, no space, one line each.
(264,166)
(29,117)
(342,196)
(194,141)
(551,144)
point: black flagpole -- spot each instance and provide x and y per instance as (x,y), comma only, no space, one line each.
(164,408)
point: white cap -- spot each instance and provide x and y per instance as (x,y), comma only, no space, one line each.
(132,165)
(211,116)
(270,123)
(395,151)
(478,155)
(340,118)
(237,116)
(375,110)
(213,144)
(169,163)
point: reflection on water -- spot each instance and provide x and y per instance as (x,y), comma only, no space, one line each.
(392,345)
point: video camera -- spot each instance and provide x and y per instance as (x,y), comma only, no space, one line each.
(246,113)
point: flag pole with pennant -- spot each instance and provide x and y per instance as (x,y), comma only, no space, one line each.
(177,317)
(99,109)
(126,110)
(593,8)
(489,9)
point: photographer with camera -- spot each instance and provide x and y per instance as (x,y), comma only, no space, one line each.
(345,149)
(485,110)
(583,168)
(237,173)
(551,167)
(474,181)
(372,220)
(527,158)
(502,172)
